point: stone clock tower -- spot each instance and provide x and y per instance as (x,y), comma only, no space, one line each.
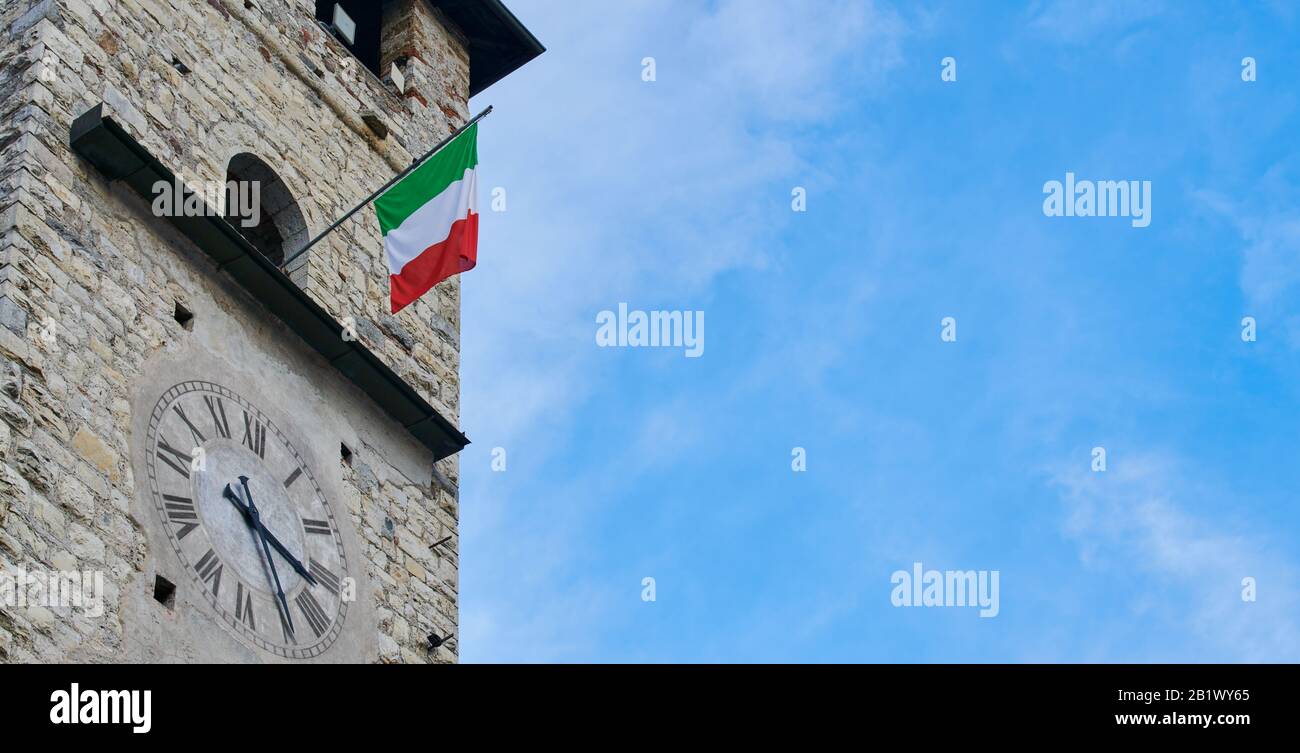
(206,456)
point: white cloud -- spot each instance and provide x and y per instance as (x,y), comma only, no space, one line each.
(1080,21)
(785,59)
(1270,259)
(1133,522)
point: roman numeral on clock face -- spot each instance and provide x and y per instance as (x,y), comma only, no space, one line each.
(194,430)
(316,618)
(284,624)
(218,411)
(323,575)
(292,477)
(180,461)
(316,526)
(180,510)
(244,606)
(209,568)
(254,435)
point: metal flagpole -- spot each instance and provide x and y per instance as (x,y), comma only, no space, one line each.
(414,164)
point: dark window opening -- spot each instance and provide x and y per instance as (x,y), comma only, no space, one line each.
(261,208)
(164,592)
(345,454)
(368,15)
(183,316)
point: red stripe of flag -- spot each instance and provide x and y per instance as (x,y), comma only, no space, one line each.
(458,253)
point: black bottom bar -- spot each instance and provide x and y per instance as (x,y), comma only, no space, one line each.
(978,702)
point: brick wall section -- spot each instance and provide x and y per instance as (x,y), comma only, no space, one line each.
(266,80)
(418,40)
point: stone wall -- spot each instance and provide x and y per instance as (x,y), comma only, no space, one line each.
(89,281)
(419,43)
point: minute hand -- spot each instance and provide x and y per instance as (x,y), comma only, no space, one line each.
(270,537)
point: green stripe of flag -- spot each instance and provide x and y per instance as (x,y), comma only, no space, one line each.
(428,180)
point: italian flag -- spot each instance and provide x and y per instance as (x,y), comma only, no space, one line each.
(430,220)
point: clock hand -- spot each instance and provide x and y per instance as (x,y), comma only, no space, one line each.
(292,560)
(257,526)
(258,530)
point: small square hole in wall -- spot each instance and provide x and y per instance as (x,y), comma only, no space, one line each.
(375,123)
(180,66)
(345,453)
(183,316)
(164,592)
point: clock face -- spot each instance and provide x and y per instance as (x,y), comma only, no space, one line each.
(247,520)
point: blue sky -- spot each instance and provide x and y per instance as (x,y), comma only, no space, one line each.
(924,200)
